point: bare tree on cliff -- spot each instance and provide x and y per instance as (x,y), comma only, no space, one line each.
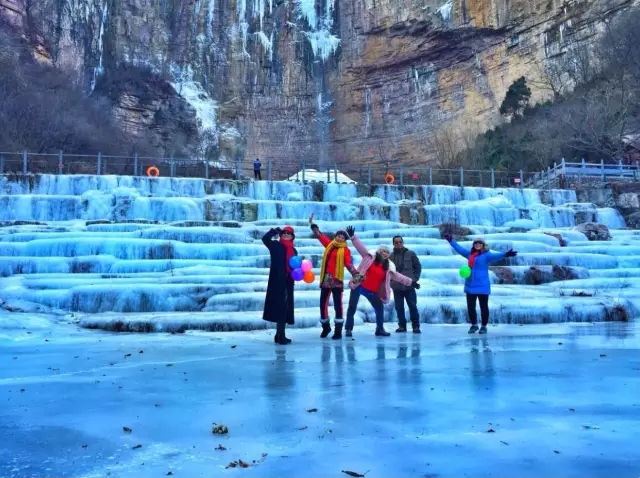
(605,108)
(552,76)
(452,148)
(42,112)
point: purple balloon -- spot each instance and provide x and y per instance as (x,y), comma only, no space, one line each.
(297,274)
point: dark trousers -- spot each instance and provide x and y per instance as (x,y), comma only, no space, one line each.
(325,294)
(257,174)
(373,299)
(287,315)
(410,296)
(484,308)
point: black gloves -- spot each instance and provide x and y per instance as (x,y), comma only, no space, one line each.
(415,284)
(314,227)
(511,253)
(277,230)
(357,278)
(351,231)
(448,237)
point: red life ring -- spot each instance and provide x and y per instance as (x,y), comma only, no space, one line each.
(153,172)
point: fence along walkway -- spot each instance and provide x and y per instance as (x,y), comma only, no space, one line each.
(37,163)
(565,171)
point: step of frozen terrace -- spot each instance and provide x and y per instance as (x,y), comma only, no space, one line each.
(228,293)
(118,198)
(154,274)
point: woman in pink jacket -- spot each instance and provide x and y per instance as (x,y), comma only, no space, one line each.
(373,281)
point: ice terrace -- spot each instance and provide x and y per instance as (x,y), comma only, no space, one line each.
(134,253)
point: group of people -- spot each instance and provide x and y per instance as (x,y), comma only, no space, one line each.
(378,273)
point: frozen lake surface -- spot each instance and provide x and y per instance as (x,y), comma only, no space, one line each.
(533,400)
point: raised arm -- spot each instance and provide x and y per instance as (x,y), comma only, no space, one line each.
(360,247)
(324,240)
(496,256)
(267,239)
(459,249)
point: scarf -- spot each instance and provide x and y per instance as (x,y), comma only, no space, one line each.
(472,258)
(339,259)
(289,252)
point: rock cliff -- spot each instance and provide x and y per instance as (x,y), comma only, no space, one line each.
(325,80)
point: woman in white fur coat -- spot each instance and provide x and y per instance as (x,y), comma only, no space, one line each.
(373,281)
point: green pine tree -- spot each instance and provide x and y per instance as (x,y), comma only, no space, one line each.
(516,99)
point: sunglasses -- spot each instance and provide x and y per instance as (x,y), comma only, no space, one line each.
(478,242)
(286,233)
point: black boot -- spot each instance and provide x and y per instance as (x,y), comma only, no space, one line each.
(280,337)
(337,334)
(326,328)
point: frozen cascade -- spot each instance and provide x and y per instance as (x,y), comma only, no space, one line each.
(108,245)
(323,42)
(100,69)
(195,94)
(611,217)
(211,5)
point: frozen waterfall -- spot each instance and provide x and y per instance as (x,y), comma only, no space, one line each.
(136,253)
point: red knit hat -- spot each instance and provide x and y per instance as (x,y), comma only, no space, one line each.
(289,229)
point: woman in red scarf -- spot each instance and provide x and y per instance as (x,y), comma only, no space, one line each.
(278,303)
(478,285)
(335,259)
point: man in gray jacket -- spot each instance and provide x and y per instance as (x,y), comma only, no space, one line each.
(406,263)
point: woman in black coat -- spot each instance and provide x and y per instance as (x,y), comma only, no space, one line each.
(278,303)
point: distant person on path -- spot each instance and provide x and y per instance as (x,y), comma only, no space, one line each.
(406,263)
(278,303)
(257,166)
(335,259)
(477,286)
(373,280)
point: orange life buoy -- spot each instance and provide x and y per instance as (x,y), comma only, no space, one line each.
(153,172)
(389,179)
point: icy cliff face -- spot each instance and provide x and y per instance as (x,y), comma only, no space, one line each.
(319,79)
(105,244)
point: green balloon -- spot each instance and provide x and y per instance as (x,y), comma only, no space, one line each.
(465,272)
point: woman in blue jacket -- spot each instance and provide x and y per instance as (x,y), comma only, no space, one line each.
(478,285)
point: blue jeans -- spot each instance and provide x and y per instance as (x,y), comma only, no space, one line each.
(375,301)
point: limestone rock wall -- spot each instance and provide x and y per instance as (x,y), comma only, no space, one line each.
(333,82)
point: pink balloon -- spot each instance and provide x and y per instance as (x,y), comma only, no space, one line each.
(307,265)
